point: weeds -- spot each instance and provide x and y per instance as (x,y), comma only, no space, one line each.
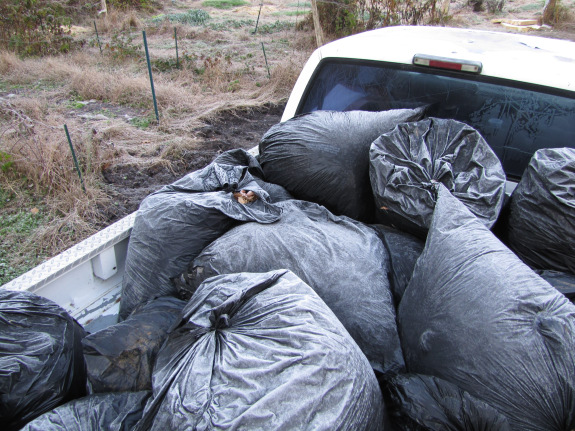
(231,24)
(275,27)
(224,4)
(17,227)
(292,13)
(122,46)
(35,27)
(128,4)
(144,122)
(344,17)
(191,17)
(494,6)
(6,162)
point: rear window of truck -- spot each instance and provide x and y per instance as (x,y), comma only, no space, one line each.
(515,121)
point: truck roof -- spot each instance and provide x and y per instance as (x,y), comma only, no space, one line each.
(527,59)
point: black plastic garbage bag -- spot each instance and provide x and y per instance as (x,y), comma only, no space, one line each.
(404,250)
(101,412)
(261,352)
(343,260)
(476,316)
(121,357)
(323,157)
(542,211)
(406,163)
(240,157)
(174,224)
(427,403)
(562,281)
(41,363)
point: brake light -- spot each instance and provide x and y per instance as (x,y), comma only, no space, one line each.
(447,63)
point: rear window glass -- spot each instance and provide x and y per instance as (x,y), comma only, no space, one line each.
(514,121)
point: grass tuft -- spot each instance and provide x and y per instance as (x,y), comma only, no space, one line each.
(192,17)
(224,4)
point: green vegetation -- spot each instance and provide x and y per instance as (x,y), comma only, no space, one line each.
(16,227)
(344,17)
(230,24)
(292,13)
(275,27)
(191,17)
(122,46)
(6,163)
(35,27)
(224,4)
(144,122)
(128,4)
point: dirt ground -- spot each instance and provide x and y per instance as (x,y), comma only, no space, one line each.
(237,129)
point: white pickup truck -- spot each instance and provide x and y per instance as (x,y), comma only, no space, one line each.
(517,90)
(485,322)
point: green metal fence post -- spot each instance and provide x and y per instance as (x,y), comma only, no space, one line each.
(177,56)
(258,20)
(151,78)
(98,37)
(74,157)
(266,59)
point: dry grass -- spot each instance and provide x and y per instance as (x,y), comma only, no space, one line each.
(41,165)
(221,70)
(117,20)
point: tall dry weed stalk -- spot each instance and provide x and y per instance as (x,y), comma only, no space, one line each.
(41,163)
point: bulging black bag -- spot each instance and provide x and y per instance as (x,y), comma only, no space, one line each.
(101,412)
(261,352)
(343,260)
(407,162)
(323,157)
(542,211)
(41,363)
(427,403)
(476,316)
(562,281)
(404,249)
(121,357)
(175,223)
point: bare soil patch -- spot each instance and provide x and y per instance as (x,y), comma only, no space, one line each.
(128,185)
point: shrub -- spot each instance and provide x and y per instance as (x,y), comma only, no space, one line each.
(131,4)
(191,17)
(35,27)
(224,4)
(344,17)
(494,6)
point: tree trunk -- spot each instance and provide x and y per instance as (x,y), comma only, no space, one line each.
(103,8)
(549,11)
(316,24)
(445,8)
